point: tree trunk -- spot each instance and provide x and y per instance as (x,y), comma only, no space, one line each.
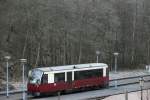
(38,54)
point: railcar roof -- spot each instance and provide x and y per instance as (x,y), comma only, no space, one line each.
(71,67)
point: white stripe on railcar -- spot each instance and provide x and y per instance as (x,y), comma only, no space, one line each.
(72,67)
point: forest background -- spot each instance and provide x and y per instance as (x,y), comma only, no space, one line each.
(61,32)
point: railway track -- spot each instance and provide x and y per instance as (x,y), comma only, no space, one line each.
(128,80)
(120,82)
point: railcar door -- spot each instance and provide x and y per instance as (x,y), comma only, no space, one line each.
(69,80)
(69,77)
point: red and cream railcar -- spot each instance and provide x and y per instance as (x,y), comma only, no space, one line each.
(61,78)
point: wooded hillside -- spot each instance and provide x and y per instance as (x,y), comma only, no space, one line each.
(59,32)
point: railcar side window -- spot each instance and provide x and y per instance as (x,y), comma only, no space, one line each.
(88,74)
(45,78)
(59,77)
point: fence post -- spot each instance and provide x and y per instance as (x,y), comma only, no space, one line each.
(126,94)
(58,95)
(116,84)
(147,95)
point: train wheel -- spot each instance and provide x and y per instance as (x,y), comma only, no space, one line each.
(106,85)
(68,91)
(37,94)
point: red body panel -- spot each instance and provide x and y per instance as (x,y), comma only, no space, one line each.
(53,87)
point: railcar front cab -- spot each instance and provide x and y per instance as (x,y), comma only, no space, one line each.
(38,78)
(35,78)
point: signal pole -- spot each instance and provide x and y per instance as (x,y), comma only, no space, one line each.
(141,82)
(116,55)
(23,61)
(7,76)
(97,57)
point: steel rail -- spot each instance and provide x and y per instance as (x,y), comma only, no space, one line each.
(129,77)
(128,82)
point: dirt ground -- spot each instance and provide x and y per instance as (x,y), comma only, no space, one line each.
(131,96)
